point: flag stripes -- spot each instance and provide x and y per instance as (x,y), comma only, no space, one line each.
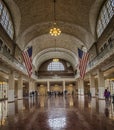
(27,56)
(83,59)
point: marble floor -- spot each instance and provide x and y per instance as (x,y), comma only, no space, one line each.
(57,113)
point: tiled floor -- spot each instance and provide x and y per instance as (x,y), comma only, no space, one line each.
(57,113)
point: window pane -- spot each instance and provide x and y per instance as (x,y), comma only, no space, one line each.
(1,7)
(105,16)
(55,66)
(5,20)
(112,3)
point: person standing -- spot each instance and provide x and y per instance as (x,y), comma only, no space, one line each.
(107,95)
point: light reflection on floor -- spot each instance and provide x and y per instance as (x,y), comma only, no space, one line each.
(56,113)
(3,112)
(57,122)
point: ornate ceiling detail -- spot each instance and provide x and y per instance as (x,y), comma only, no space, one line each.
(33,19)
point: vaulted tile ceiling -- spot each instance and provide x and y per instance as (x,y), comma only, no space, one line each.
(33,20)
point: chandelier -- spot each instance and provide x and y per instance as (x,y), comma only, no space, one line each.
(55,60)
(54,31)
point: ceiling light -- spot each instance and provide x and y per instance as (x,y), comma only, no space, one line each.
(55,60)
(54,31)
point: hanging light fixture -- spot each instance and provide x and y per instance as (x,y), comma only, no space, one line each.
(54,31)
(55,59)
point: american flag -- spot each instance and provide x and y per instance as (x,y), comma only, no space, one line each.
(83,59)
(27,56)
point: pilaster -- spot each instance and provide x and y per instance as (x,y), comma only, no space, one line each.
(11,87)
(48,86)
(64,88)
(80,86)
(20,88)
(101,84)
(92,85)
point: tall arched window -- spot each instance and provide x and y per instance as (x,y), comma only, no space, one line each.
(55,66)
(105,16)
(5,20)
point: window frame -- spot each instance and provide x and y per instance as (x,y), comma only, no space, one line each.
(55,66)
(104,17)
(6,20)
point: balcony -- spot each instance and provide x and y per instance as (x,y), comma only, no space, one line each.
(102,56)
(12,62)
(8,59)
(55,74)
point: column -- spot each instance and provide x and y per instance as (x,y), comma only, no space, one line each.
(92,85)
(48,86)
(31,86)
(11,87)
(76,88)
(101,84)
(20,88)
(64,86)
(80,86)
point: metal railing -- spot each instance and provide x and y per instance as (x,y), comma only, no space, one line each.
(11,58)
(14,62)
(107,52)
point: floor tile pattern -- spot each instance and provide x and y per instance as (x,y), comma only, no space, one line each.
(57,113)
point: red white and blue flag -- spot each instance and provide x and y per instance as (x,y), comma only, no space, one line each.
(83,60)
(27,56)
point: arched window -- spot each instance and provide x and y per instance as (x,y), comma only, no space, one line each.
(55,66)
(5,20)
(105,16)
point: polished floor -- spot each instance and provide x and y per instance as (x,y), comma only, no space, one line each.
(57,113)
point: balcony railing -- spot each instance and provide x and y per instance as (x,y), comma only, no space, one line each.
(11,60)
(7,57)
(106,53)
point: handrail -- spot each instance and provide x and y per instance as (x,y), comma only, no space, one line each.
(107,52)
(15,62)
(11,58)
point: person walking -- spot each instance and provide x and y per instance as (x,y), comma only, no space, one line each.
(107,95)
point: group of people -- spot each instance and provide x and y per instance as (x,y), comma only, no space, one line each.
(33,93)
(107,95)
(50,93)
